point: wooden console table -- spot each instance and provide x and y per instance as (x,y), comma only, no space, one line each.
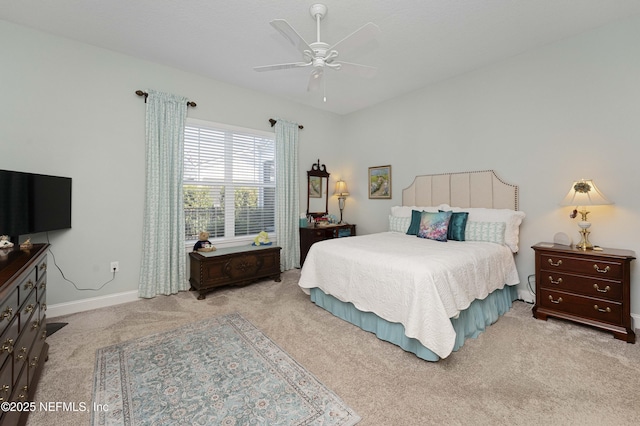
(233,266)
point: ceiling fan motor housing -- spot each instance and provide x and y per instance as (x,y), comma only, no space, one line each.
(318,9)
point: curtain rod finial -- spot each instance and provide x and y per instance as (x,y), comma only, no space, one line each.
(273,123)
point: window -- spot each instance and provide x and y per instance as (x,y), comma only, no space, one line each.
(229,181)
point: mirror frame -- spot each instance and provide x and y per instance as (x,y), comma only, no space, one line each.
(319,170)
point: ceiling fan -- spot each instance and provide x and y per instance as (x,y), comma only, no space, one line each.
(320,55)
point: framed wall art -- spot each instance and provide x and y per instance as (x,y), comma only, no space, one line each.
(380,182)
(315,187)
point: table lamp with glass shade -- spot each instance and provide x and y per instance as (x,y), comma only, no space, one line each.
(342,192)
(584,193)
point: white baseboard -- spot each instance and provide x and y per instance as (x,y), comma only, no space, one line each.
(526,296)
(67,308)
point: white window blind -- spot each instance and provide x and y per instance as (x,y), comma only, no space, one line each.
(229,181)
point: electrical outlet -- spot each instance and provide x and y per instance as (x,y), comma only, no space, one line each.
(115,266)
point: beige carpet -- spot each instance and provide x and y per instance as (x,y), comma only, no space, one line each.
(522,371)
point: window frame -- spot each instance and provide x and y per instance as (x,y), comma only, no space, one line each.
(227,241)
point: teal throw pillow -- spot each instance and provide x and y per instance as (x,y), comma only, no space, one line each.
(434,226)
(457,226)
(414,227)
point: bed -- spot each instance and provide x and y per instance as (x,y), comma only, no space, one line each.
(428,294)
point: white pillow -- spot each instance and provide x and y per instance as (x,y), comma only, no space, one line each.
(511,218)
(399,224)
(405,211)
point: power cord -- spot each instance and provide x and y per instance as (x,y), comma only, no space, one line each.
(531,290)
(68,280)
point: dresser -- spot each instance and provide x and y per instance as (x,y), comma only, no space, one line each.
(233,266)
(23,347)
(310,235)
(589,287)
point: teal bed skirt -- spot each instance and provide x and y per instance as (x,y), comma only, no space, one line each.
(470,323)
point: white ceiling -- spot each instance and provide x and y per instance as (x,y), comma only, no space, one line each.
(421,41)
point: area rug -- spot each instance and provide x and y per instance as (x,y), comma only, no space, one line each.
(220,371)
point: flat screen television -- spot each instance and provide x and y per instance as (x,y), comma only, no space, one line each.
(32,203)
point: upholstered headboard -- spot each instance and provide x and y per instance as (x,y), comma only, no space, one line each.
(463,189)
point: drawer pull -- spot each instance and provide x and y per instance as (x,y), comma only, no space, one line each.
(555,301)
(7,346)
(555,282)
(603,290)
(603,271)
(23,353)
(43,285)
(25,391)
(29,308)
(7,314)
(558,263)
(43,267)
(608,309)
(35,325)
(28,285)
(34,362)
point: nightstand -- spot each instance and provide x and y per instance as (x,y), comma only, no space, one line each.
(588,287)
(310,235)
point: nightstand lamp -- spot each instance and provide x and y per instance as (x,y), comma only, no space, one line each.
(584,193)
(342,192)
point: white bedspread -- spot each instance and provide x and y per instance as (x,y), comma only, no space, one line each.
(417,282)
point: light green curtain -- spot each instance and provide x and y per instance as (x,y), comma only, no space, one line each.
(287,194)
(163,254)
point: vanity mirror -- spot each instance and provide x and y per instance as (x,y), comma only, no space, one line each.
(317,190)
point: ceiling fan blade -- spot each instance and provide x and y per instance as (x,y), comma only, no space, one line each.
(361,36)
(291,34)
(315,80)
(356,69)
(282,66)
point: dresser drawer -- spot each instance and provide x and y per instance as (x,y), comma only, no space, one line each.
(8,340)
(585,285)
(28,308)
(26,286)
(41,268)
(597,309)
(8,309)
(601,268)
(6,382)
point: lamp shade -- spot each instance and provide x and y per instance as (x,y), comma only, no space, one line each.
(341,189)
(584,193)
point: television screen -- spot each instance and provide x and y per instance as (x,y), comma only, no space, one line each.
(32,203)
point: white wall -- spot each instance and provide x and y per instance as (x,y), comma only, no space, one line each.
(69,109)
(567,111)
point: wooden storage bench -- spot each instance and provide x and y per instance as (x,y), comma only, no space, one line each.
(233,266)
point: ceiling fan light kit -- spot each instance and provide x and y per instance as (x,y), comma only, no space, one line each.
(321,55)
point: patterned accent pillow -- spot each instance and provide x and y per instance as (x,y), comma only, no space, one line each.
(434,226)
(399,224)
(491,232)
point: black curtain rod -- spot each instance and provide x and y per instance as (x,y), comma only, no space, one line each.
(273,123)
(146,95)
